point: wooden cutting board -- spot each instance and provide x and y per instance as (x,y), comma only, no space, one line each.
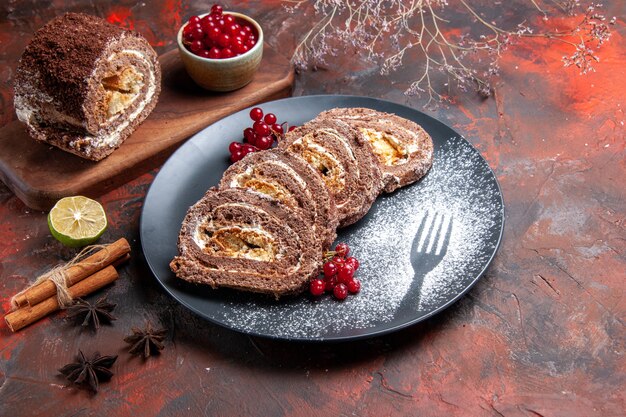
(40,174)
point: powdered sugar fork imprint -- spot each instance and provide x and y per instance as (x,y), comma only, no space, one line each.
(429,247)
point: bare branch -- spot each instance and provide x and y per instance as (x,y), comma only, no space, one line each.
(386,32)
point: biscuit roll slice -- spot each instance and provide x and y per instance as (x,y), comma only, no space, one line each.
(342,158)
(403,149)
(245,240)
(291,181)
(84,85)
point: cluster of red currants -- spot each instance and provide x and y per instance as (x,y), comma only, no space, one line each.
(338,275)
(218,35)
(261,136)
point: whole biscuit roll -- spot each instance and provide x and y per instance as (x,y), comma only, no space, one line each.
(84,85)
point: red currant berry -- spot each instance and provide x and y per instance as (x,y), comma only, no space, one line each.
(233,29)
(338,260)
(250,43)
(254,140)
(208,43)
(242,34)
(261,128)
(214,34)
(354,286)
(217,9)
(234,147)
(196,47)
(317,287)
(342,250)
(204,53)
(215,53)
(224,40)
(234,43)
(194,19)
(196,33)
(240,48)
(227,53)
(237,155)
(229,19)
(291,128)
(278,129)
(340,291)
(270,118)
(188,36)
(247,29)
(247,148)
(220,23)
(330,283)
(345,273)
(352,261)
(330,269)
(207,25)
(256,114)
(264,142)
(248,134)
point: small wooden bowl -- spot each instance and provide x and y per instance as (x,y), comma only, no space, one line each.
(226,74)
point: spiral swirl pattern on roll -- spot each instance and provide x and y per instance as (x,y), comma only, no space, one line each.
(245,240)
(403,149)
(344,160)
(291,181)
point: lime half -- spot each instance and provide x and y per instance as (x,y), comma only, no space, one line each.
(77,221)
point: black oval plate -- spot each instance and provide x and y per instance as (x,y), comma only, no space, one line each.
(398,288)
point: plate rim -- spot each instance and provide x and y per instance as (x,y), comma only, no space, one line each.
(332,339)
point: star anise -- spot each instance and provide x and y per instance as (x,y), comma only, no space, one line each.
(91,314)
(89,373)
(146,342)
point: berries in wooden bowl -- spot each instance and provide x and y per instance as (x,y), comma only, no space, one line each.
(221,50)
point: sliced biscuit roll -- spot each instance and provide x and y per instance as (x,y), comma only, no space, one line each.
(245,240)
(291,181)
(403,148)
(84,85)
(343,159)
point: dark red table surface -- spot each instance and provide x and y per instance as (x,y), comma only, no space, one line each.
(541,334)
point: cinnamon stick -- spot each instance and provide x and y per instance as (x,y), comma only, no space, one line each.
(22,317)
(121,260)
(113,253)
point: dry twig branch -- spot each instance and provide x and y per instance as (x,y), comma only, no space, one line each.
(385,32)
